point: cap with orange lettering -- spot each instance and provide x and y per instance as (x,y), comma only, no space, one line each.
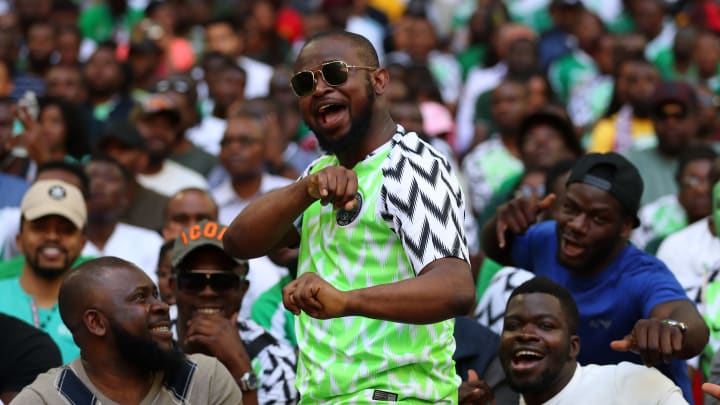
(205,233)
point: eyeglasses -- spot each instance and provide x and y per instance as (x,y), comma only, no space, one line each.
(175,85)
(196,282)
(334,73)
(694,181)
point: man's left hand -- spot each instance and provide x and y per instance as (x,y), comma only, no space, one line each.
(315,296)
(653,340)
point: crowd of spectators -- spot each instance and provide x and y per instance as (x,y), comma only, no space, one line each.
(157,116)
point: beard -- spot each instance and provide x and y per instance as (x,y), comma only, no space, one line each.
(359,127)
(144,353)
(546,379)
(48,273)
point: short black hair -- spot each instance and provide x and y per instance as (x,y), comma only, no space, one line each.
(225,19)
(166,248)
(101,157)
(544,285)
(74,168)
(692,153)
(361,45)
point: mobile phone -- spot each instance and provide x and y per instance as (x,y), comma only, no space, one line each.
(29,101)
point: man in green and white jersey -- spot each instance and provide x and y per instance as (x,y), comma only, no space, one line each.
(383,264)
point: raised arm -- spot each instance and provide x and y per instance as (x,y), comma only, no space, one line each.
(267,223)
(443,289)
(511,218)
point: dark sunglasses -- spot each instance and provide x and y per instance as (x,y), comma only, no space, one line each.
(334,73)
(196,282)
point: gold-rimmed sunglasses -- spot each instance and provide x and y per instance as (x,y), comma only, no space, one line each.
(334,73)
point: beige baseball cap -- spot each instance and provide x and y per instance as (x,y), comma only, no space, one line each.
(54,197)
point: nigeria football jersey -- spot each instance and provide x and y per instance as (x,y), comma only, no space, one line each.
(409,212)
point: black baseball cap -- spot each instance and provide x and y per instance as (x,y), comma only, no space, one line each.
(123,132)
(612,173)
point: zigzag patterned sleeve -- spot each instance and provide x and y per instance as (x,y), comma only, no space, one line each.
(423,203)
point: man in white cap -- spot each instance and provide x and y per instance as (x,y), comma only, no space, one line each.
(52,235)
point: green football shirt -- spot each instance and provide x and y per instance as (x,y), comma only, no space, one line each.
(409,213)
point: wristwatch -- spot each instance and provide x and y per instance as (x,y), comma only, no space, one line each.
(671,322)
(248,382)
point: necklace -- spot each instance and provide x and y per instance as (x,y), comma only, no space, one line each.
(40,324)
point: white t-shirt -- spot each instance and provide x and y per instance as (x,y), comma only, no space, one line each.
(619,384)
(172,178)
(137,245)
(258,75)
(207,134)
(693,255)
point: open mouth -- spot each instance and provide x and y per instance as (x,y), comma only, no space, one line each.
(51,252)
(162,331)
(526,359)
(570,248)
(331,115)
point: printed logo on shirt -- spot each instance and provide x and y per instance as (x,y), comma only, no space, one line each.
(384,396)
(344,217)
(600,323)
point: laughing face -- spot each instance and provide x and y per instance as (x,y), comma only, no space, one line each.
(207,300)
(340,116)
(592,229)
(537,350)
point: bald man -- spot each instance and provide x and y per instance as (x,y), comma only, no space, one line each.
(127,354)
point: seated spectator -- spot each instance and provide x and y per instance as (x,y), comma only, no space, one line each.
(693,255)
(674,212)
(208,285)
(123,142)
(539,347)
(627,121)
(107,235)
(180,89)
(51,237)
(675,120)
(62,129)
(26,352)
(128,355)
(585,248)
(186,208)
(491,162)
(263,301)
(104,78)
(158,119)
(69,172)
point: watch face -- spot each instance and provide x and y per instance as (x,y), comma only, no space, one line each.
(250,380)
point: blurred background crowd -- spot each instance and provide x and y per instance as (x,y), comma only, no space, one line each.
(147,99)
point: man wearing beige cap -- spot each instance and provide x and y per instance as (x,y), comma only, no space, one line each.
(51,237)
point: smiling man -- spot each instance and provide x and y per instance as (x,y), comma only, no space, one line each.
(51,236)
(208,286)
(128,355)
(383,265)
(539,347)
(629,301)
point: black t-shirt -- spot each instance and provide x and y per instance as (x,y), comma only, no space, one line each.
(25,352)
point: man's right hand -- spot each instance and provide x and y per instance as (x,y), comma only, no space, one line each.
(334,185)
(519,214)
(475,391)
